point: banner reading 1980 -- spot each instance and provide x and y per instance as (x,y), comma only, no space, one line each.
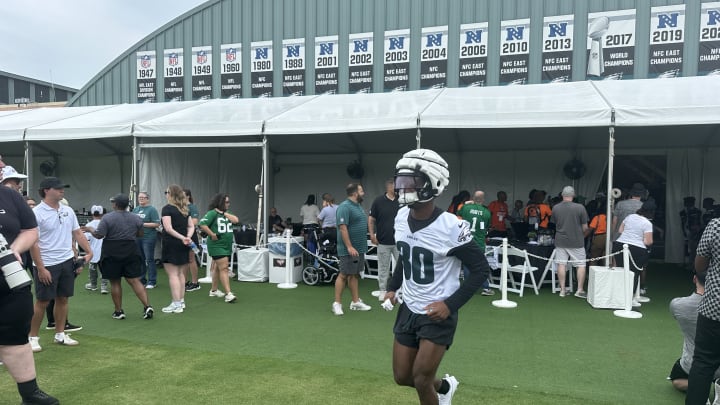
(611,45)
(433,57)
(261,69)
(326,65)
(146,77)
(514,51)
(201,72)
(667,34)
(360,63)
(173,62)
(709,61)
(293,67)
(557,48)
(473,54)
(396,60)
(231,70)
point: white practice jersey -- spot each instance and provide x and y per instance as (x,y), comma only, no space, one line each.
(429,274)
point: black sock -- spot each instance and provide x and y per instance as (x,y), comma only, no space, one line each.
(27,388)
(444,387)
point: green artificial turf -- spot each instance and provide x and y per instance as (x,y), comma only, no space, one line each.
(274,346)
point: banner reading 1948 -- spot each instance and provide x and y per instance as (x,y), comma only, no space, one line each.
(667,34)
(514,51)
(201,72)
(433,57)
(473,54)
(173,61)
(146,77)
(231,70)
(557,48)
(396,60)
(293,67)
(261,69)
(360,63)
(709,61)
(326,65)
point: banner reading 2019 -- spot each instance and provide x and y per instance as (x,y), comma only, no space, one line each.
(667,34)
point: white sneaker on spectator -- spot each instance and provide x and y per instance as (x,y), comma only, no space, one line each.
(217,293)
(446,399)
(65,339)
(337,308)
(35,343)
(381,295)
(230,297)
(173,308)
(359,306)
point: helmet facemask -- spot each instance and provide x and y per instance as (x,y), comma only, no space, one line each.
(412,187)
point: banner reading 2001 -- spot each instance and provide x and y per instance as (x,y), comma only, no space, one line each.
(326,65)
(611,45)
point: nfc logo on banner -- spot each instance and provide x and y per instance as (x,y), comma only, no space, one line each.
(293,51)
(433,40)
(713,17)
(327,48)
(473,37)
(360,46)
(668,20)
(261,53)
(397,43)
(514,33)
(557,30)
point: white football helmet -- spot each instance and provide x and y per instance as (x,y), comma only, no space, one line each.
(423,173)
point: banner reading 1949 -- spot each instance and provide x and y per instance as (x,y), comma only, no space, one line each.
(514,51)
(261,69)
(201,72)
(557,48)
(667,34)
(473,54)
(396,60)
(360,63)
(433,57)
(173,61)
(709,61)
(293,68)
(611,45)
(146,77)
(231,70)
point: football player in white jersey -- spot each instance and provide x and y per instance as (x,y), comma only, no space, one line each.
(433,246)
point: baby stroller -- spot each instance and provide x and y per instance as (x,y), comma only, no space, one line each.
(324,270)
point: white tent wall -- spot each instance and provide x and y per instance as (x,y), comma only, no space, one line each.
(684,168)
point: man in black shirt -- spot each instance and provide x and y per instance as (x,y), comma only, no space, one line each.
(382,233)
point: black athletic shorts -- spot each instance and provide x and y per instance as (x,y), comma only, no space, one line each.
(411,327)
(677,372)
(113,268)
(17,311)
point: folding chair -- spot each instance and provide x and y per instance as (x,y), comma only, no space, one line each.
(491,254)
(524,268)
(551,266)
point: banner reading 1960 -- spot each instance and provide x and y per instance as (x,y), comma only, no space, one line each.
(667,34)
(557,48)
(396,60)
(360,63)
(611,45)
(173,62)
(473,54)
(326,65)
(201,72)
(709,61)
(146,77)
(514,51)
(231,70)
(433,57)
(261,69)
(293,67)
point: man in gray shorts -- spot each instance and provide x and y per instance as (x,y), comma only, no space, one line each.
(571,222)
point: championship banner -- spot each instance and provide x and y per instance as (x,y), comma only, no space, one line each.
(709,61)
(473,54)
(433,57)
(360,63)
(326,65)
(173,62)
(667,36)
(557,48)
(146,77)
(261,69)
(514,51)
(231,71)
(611,45)
(396,60)
(293,62)
(201,72)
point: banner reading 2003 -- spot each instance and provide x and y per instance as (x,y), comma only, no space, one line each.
(396,60)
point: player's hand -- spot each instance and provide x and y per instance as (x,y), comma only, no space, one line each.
(390,295)
(437,311)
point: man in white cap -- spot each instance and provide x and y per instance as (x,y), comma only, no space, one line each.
(11,178)
(571,222)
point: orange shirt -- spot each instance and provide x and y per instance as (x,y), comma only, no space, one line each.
(499,211)
(545,213)
(599,224)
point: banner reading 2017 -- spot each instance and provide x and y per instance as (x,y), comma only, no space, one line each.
(611,45)
(146,77)
(514,51)
(667,34)
(396,60)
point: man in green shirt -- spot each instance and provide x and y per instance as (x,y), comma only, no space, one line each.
(478,215)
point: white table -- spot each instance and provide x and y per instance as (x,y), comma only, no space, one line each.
(606,287)
(252,264)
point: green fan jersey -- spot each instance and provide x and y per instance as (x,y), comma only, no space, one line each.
(223,228)
(479,218)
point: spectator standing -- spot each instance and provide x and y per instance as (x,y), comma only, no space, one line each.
(178,228)
(479,217)
(53,256)
(193,284)
(327,217)
(706,358)
(351,248)
(97,212)
(499,214)
(636,231)
(627,207)
(12,179)
(309,214)
(146,243)
(218,225)
(381,225)
(597,231)
(571,224)
(121,255)
(691,220)
(458,200)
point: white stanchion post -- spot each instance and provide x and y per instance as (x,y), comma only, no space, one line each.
(288,265)
(208,272)
(627,312)
(504,302)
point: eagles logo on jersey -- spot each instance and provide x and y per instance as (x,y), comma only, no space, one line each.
(465,233)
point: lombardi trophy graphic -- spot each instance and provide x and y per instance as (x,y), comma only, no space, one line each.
(596,31)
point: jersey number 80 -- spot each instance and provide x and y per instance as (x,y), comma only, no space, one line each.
(417,263)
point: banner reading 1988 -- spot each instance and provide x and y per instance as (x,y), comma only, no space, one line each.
(173,62)
(709,61)
(360,63)
(201,72)
(667,34)
(611,45)
(396,60)
(231,70)
(293,67)
(326,65)
(473,54)
(557,48)
(514,51)
(146,77)
(433,57)
(261,69)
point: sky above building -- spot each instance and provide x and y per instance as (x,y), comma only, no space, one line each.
(68,42)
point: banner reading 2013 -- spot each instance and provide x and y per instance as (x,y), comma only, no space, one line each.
(433,57)
(611,45)
(146,77)
(709,61)
(396,60)
(557,48)
(667,35)
(514,51)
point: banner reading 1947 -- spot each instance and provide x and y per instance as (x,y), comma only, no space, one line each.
(146,77)
(473,54)
(201,72)
(557,48)
(173,61)
(709,61)
(667,34)
(514,51)
(433,57)
(396,60)
(293,68)
(261,69)
(360,63)
(231,70)
(611,45)
(326,65)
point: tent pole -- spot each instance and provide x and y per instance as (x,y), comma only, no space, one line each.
(610,199)
(134,174)
(418,134)
(28,166)
(264,179)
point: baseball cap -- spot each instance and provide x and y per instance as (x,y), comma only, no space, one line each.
(638,190)
(121,199)
(568,191)
(52,182)
(96,208)
(9,172)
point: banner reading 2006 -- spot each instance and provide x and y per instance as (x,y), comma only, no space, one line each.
(473,54)
(667,34)
(146,77)
(396,60)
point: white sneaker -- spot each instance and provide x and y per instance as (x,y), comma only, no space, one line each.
(65,340)
(446,399)
(381,296)
(230,297)
(182,303)
(337,308)
(217,293)
(35,343)
(359,306)
(173,308)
